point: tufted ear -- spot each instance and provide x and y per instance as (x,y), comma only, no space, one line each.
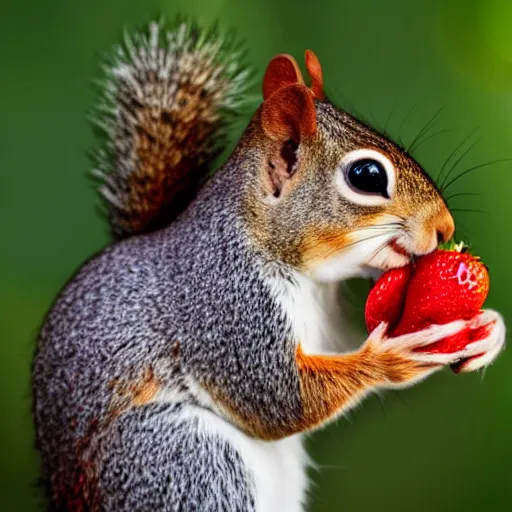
(315,73)
(281,71)
(289,114)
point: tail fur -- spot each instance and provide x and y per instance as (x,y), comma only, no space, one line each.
(168,96)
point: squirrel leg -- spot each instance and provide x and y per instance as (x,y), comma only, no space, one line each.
(329,384)
(321,387)
(169,457)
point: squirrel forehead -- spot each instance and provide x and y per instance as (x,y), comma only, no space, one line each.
(344,133)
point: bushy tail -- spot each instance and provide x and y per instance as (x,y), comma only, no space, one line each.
(167,98)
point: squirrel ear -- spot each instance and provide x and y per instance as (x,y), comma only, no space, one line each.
(315,72)
(289,114)
(287,117)
(281,71)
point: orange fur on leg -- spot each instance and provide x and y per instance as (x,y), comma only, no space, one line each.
(331,384)
(328,384)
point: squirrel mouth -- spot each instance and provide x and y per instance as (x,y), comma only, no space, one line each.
(394,255)
(398,248)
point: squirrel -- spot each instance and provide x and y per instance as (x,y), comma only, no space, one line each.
(180,367)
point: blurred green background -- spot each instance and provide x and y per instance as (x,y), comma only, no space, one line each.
(443,446)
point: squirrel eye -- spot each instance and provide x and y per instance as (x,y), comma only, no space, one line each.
(369,177)
(366,177)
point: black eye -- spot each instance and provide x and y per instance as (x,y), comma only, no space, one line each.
(369,177)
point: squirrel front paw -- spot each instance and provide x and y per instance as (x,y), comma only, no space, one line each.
(488,341)
(401,364)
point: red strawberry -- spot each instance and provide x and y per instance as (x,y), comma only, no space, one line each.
(386,299)
(444,286)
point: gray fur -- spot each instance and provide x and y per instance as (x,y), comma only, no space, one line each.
(170,464)
(188,300)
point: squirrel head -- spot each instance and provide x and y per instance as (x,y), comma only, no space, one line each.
(327,194)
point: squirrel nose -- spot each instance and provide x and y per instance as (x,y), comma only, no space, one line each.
(444,226)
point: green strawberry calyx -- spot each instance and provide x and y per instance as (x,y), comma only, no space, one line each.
(453,246)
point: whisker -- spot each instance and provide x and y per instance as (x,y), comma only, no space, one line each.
(375,122)
(474,168)
(385,233)
(426,139)
(461,229)
(381,226)
(457,161)
(384,230)
(388,233)
(468,210)
(378,251)
(454,152)
(405,120)
(460,194)
(425,129)
(388,120)
(347,105)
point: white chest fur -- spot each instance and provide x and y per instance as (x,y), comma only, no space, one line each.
(315,313)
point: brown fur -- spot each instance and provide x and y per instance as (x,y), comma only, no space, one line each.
(167,146)
(315,72)
(80,492)
(289,114)
(248,421)
(331,383)
(134,393)
(309,220)
(164,120)
(281,72)
(319,245)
